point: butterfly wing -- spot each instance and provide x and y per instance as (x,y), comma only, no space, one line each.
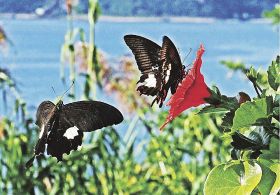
(91,115)
(62,126)
(63,138)
(173,70)
(43,112)
(45,118)
(147,55)
(76,118)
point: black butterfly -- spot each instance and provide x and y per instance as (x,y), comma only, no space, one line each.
(62,126)
(161,67)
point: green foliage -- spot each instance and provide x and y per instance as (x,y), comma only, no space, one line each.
(219,102)
(252,113)
(275,167)
(238,178)
(273,152)
(251,73)
(254,128)
(234,65)
(273,74)
(274,14)
(191,136)
(268,179)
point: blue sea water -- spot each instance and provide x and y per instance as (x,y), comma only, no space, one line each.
(36,62)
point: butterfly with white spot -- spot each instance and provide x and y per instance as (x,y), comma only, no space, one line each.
(62,126)
(161,67)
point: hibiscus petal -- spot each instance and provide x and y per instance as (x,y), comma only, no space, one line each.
(191,92)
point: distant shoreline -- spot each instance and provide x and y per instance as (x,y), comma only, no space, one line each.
(133,19)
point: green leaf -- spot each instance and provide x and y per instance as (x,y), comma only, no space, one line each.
(236,179)
(257,139)
(273,74)
(276,111)
(230,103)
(252,113)
(273,152)
(220,103)
(252,74)
(274,14)
(276,187)
(234,65)
(277,100)
(227,120)
(212,109)
(276,107)
(215,97)
(267,180)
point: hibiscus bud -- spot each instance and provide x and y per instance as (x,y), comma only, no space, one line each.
(242,97)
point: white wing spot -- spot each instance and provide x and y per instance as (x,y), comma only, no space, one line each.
(71,132)
(168,73)
(150,81)
(42,131)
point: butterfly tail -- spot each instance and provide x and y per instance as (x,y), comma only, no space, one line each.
(30,162)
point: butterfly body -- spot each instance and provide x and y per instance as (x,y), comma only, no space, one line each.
(62,126)
(161,66)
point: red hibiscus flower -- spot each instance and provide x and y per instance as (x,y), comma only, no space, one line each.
(190,93)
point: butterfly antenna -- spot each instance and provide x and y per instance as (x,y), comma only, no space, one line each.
(54,91)
(187,55)
(73,82)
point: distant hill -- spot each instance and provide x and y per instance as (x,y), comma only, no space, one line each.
(205,8)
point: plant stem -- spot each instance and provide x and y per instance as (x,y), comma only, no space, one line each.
(256,89)
(91,80)
(72,53)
